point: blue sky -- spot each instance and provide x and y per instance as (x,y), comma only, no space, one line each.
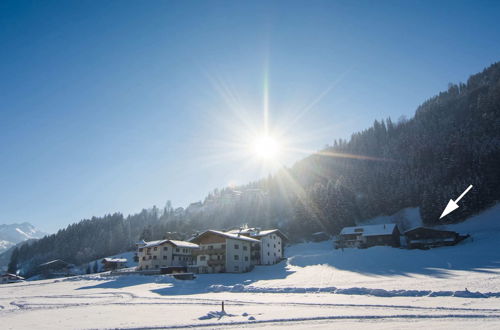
(119,105)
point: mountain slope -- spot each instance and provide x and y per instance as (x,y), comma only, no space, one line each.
(15,233)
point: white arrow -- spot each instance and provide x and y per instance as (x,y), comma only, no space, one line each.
(452,204)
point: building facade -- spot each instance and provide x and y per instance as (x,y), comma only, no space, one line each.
(271,247)
(163,253)
(221,252)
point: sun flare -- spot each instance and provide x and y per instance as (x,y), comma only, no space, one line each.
(266,147)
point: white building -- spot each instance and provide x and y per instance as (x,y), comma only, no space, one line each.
(221,252)
(164,253)
(271,247)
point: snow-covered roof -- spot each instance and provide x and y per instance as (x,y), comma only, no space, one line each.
(12,276)
(255,232)
(229,235)
(370,230)
(115,260)
(184,244)
(155,243)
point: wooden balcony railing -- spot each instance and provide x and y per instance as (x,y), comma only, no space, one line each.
(198,252)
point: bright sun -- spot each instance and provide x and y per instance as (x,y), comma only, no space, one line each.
(266,147)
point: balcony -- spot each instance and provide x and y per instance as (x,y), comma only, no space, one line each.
(198,252)
(213,263)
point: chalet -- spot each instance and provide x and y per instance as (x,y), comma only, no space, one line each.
(163,253)
(367,236)
(425,238)
(114,263)
(10,278)
(221,252)
(271,247)
(55,268)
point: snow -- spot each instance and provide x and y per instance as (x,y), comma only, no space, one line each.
(369,230)
(184,244)
(316,287)
(229,235)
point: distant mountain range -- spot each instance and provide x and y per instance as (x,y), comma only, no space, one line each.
(15,233)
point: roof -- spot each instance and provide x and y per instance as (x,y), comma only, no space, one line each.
(115,260)
(155,243)
(229,235)
(184,244)
(270,231)
(54,262)
(370,230)
(255,232)
(12,276)
(421,228)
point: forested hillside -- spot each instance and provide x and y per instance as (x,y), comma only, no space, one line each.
(452,141)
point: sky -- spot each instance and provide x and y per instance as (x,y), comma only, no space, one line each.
(115,106)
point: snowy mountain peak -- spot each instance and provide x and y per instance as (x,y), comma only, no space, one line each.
(15,233)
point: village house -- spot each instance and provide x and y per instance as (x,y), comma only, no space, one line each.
(10,278)
(369,235)
(164,253)
(113,263)
(221,252)
(271,247)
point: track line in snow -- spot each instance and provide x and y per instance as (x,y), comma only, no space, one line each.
(322,318)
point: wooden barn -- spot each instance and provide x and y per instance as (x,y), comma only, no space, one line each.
(55,268)
(426,238)
(114,263)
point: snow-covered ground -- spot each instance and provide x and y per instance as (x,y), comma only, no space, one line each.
(316,287)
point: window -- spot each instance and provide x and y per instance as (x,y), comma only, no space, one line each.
(177,250)
(156,266)
(236,246)
(155,248)
(140,249)
(275,246)
(268,253)
(267,244)
(203,258)
(147,267)
(210,247)
(165,248)
(150,257)
(245,248)
(279,242)
(236,257)
(275,254)
(246,258)
(223,246)
(164,257)
(236,268)
(154,257)
(144,258)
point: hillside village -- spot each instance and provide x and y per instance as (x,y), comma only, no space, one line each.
(240,250)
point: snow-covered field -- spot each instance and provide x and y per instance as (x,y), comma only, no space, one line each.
(317,287)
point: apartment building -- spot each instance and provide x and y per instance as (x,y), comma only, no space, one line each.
(221,252)
(163,253)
